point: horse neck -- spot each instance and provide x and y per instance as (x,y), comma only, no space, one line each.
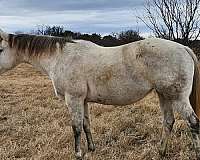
(42,63)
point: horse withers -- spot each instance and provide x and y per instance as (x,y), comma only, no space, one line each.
(83,72)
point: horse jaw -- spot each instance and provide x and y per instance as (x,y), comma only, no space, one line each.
(4,35)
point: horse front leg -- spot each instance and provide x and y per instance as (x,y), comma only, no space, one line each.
(86,127)
(76,108)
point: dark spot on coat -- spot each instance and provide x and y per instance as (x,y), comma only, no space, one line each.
(105,76)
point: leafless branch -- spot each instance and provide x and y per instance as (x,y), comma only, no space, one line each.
(173,19)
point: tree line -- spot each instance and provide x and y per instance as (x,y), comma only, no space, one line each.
(177,20)
(114,39)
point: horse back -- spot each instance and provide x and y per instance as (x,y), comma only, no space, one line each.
(165,64)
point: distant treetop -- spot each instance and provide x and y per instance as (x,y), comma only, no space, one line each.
(115,39)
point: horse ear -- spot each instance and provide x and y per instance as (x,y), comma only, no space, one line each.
(4,35)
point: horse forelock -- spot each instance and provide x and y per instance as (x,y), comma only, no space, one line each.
(37,45)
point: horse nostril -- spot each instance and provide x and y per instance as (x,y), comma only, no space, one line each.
(1,50)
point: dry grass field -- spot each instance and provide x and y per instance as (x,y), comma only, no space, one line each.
(35,125)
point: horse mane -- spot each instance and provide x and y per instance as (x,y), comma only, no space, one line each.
(35,45)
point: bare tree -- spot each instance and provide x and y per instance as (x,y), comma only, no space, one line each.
(40,29)
(176,20)
(50,30)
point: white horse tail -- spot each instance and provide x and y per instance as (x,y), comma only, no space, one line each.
(195,94)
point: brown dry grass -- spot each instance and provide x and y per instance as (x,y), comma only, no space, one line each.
(34,124)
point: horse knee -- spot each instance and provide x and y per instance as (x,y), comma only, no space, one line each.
(77,129)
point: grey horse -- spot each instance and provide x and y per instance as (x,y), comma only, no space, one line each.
(83,72)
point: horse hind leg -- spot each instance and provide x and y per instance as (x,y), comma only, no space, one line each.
(168,121)
(184,107)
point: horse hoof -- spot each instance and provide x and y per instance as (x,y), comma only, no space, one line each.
(91,148)
(79,156)
(162,153)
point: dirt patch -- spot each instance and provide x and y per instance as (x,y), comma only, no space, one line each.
(34,124)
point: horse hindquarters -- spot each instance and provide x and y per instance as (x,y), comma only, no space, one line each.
(171,98)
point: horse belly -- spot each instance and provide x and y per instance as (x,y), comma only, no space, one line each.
(119,91)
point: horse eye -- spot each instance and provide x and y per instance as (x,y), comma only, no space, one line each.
(1,50)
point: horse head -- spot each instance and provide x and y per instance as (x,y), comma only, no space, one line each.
(8,56)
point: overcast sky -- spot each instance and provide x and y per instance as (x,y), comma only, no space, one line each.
(86,16)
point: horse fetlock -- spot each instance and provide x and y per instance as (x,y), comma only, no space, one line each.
(194,123)
(79,155)
(162,152)
(196,142)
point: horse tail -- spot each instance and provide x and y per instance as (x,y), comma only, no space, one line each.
(195,94)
